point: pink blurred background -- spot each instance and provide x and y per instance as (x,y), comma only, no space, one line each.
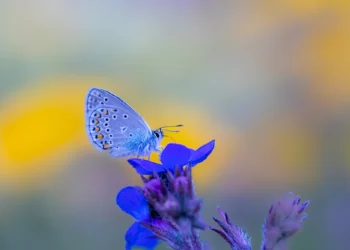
(269,80)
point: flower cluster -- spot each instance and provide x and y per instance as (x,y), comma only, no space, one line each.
(166,209)
(178,209)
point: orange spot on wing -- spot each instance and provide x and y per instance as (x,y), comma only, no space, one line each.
(97,129)
(99,136)
(106,112)
(98,115)
(106,146)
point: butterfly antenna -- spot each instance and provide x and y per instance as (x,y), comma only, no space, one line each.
(176,126)
(168,130)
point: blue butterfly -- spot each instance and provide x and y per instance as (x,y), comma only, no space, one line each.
(113,126)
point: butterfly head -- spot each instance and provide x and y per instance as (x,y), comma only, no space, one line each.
(159,133)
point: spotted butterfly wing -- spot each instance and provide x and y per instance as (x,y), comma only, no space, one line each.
(113,125)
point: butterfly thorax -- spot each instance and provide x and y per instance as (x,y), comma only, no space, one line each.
(151,144)
(143,145)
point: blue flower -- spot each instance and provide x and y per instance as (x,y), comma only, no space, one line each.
(132,201)
(173,155)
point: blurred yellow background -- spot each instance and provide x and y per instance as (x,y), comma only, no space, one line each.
(269,80)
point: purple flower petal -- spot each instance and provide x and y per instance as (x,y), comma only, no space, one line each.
(144,167)
(202,153)
(138,236)
(175,155)
(132,201)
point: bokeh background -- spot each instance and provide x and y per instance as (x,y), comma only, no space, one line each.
(269,80)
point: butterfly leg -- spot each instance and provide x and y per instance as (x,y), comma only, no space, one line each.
(138,153)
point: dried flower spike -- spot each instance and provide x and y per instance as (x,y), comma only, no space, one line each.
(232,234)
(283,221)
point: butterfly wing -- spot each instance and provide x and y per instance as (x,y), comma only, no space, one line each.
(113,125)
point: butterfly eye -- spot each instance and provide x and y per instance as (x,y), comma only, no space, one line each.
(156,134)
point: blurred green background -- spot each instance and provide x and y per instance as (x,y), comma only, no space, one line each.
(269,80)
